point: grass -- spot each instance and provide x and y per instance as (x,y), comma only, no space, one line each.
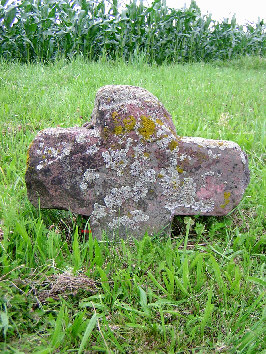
(201,290)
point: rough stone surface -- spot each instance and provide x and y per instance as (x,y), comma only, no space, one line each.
(128,169)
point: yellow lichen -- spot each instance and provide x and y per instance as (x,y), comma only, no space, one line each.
(115,115)
(173,131)
(105,133)
(118,129)
(226,199)
(160,175)
(146,154)
(175,185)
(201,156)
(28,156)
(123,126)
(179,169)
(158,121)
(129,123)
(147,128)
(173,144)
(163,136)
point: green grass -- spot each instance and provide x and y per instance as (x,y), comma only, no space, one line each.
(201,290)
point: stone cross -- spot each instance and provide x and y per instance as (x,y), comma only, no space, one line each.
(129,171)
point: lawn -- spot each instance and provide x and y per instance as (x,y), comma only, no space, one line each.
(200,290)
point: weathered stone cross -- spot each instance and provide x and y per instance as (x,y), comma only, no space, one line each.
(128,169)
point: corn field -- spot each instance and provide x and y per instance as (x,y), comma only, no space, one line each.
(43,30)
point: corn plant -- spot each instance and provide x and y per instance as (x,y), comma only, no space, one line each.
(43,30)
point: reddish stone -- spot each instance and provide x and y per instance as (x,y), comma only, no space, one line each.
(128,169)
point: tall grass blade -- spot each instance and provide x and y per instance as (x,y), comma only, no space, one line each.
(186,273)
(76,250)
(91,247)
(104,280)
(143,301)
(58,330)
(207,313)
(21,229)
(180,286)
(98,257)
(87,333)
(158,285)
(218,276)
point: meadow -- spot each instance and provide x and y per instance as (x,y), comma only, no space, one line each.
(201,290)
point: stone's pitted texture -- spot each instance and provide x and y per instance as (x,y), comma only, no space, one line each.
(129,171)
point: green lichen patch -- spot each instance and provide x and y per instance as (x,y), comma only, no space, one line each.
(28,156)
(129,123)
(147,127)
(179,169)
(200,156)
(146,154)
(115,116)
(163,136)
(175,185)
(159,121)
(123,126)
(226,199)
(118,130)
(173,132)
(173,145)
(105,133)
